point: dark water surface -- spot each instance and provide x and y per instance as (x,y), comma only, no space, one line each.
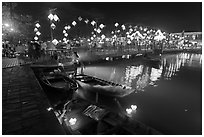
(168,96)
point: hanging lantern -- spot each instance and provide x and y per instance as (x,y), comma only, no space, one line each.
(37,25)
(55,42)
(65,34)
(102,26)
(38,33)
(51,17)
(35,30)
(53,26)
(86,21)
(80,18)
(98,31)
(103,36)
(64,31)
(35,38)
(64,39)
(55,17)
(74,23)
(116,24)
(93,23)
(123,27)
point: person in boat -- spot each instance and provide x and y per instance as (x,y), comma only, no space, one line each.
(77,62)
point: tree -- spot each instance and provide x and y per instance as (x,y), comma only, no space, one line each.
(15,27)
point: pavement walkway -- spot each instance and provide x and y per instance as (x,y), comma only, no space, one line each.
(25,106)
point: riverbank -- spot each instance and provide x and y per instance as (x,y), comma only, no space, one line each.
(97,56)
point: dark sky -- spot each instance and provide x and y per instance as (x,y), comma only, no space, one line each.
(168,16)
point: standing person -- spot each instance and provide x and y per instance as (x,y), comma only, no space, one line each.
(77,62)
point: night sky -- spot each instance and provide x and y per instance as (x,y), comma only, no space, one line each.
(167,16)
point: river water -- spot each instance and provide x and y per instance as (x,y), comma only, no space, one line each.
(168,96)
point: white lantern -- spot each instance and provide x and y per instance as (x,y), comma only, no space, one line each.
(74,23)
(86,21)
(64,31)
(38,33)
(51,16)
(80,18)
(53,26)
(37,25)
(55,17)
(116,24)
(35,38)
(102,26)
(93,23)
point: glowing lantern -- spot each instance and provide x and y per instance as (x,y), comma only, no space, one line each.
(55,17)
(38,33)
(68,27)
(98,31)
(116,24)
(64,39)
(72,121)
(102,26)
(134,107)
(65,34)
(35,30)
(103,36)
(6,24)
(129,111)
(53,26)
(55,42)
(35,38)
(74,23)
(92,38)
(86,21)
(37,25)
(64,31)
(123,27)
(51,16)
(80,18)
(93,23)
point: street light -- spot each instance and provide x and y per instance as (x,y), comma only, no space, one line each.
(53,18)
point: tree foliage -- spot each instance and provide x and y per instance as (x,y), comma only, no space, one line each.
(15,27)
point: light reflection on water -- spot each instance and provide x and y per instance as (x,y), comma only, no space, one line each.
(167,95)
(140,75)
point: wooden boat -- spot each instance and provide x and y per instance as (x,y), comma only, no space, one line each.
(102,87)
(83,118)
(57,82)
